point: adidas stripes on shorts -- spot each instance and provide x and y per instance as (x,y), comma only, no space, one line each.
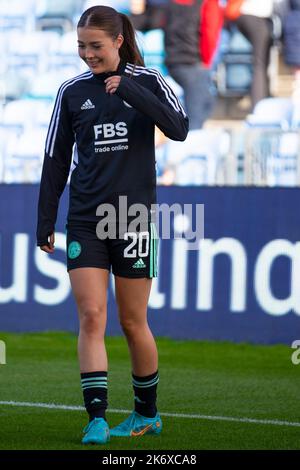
(131,254)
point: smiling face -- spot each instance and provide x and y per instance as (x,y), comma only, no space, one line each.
(98,50)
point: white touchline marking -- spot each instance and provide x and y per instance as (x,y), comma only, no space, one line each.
(55,406)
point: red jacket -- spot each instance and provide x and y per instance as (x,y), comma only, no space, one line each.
(212,18)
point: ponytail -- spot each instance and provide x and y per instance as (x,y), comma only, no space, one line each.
(129,51)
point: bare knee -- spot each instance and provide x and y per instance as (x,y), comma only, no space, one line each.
(132,326)
(92,320)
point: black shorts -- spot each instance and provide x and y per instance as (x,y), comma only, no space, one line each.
(131,254)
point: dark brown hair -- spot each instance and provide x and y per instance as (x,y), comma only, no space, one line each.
(114,23)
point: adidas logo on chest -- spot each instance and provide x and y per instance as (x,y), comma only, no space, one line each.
(88,105)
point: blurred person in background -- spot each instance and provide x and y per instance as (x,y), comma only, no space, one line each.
(191,35)
(148,14)
(291,43)
(117,97)
(254,22)
(211,24)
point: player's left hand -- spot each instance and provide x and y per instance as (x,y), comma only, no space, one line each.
(112,83)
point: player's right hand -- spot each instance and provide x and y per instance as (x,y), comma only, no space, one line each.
(50,247)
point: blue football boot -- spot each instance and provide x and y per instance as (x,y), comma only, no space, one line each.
(137,425)
(96,432)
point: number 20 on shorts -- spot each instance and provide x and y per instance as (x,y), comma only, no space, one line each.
(139,240)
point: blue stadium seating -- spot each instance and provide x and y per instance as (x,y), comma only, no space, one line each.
(234,68)
(272,112)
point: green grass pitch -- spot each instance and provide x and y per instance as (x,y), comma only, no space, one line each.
(211,381)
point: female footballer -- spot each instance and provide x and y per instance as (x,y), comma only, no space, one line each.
(103,122)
